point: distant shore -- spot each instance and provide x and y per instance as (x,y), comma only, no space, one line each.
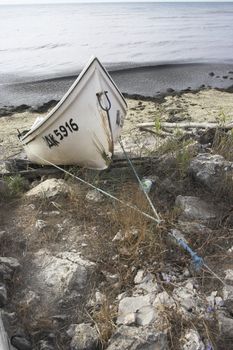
(152,82)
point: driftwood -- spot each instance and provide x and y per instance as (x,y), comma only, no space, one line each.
(188,125)
(162,134)
(4,341)
(32,171)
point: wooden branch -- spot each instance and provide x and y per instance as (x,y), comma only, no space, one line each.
(39,171)
(161,133)
(188,125)
(32,173)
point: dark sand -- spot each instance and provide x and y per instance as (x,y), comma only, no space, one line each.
(146,81)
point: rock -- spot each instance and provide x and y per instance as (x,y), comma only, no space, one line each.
(193,208)
(124,235)
(118,237)
(40,225)
(3,295)
(162,300)
(210,170)
(229,276)
(140,276)
(85,337)
(45,345)
(21,343)
(211,74)
(225,325)
(192,341)
(130,319)
(5,273)
(60,273)
(44,107)
(148,284)
(215,301)
(140,305)
(135,338)
(186,296)
(94,196)
(110,277)
(98,300)
(10,262)
(49,188)
(145,316)
(8,318)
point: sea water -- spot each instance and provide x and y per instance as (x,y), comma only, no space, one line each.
(43,41)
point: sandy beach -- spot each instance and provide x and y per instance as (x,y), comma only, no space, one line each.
(207,105)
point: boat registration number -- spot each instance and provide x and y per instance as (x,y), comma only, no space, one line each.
(57,135)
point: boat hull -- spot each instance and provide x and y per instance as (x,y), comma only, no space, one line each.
(83,127)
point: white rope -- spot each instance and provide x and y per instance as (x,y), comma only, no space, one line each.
(214,274)
(98,189)
(122,202)
(140,183)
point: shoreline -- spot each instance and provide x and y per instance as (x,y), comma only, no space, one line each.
(146,83)
(205,105)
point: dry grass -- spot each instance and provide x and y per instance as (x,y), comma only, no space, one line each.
(223,144)
(104,319)
(178,325)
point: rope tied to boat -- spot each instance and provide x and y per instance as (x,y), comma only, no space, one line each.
(198,261)
(140,183)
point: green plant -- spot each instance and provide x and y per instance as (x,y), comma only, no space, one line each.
(17,185)
(183,157)
(158,125)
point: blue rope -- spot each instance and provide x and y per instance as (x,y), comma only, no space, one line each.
(197,260)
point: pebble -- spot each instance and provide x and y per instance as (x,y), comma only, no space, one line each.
(21,343)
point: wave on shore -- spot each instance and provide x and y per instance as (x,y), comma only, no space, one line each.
(151,81)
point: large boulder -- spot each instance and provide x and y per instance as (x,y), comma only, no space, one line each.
(138,338)
(193,208)
(56,278)
(49,188)
(62,271)
(210,170)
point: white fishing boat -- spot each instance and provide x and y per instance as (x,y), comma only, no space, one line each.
(83,127)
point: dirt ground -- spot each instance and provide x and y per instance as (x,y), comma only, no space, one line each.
(73,223)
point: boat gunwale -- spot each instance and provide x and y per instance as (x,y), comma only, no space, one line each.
(67,94)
